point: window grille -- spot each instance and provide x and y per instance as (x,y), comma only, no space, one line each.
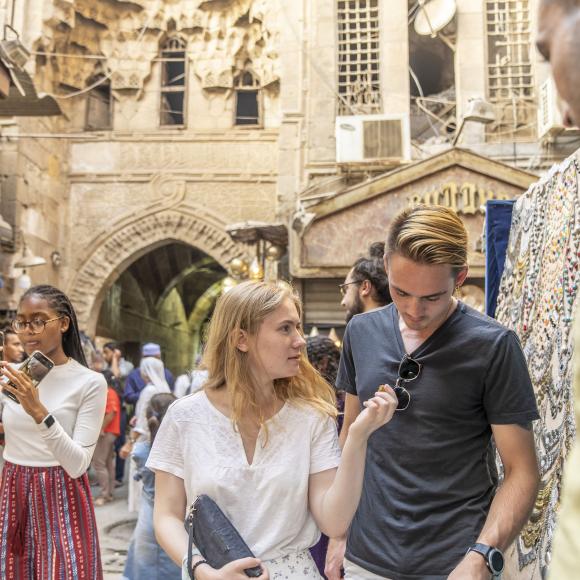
(173,82)
(247,89)
(358,57)
(509,68)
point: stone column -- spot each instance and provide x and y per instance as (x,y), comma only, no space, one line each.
(395,88)
(292,67)
(470,65)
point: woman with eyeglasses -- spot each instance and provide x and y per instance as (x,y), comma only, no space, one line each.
(47,527)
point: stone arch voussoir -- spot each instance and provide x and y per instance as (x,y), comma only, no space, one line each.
(111,254)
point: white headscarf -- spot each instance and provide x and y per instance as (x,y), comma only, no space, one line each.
(154,369)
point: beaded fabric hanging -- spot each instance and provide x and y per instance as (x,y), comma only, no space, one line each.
(538,293)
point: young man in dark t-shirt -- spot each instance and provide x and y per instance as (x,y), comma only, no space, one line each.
(429,507)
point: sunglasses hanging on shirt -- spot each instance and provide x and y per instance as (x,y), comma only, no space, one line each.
(409,370)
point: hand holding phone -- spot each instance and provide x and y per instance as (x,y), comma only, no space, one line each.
(35,367)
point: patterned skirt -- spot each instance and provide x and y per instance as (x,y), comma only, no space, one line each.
(47,526)
(295,566)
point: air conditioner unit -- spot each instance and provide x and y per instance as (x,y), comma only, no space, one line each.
(373,139)
(550,123)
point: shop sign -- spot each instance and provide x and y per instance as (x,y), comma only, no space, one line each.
(467,198)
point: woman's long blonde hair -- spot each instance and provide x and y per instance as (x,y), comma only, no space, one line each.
(244,308)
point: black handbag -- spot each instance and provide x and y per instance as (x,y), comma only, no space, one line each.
(215,537)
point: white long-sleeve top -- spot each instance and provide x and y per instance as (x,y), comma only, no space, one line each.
(75,396)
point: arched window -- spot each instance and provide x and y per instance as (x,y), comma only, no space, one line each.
(99,115)
(247,89)
(173,82)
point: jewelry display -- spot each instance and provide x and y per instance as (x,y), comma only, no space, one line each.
(537,298)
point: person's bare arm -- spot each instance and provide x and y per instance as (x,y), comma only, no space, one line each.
(115,368)
(513,501)
(337,546)
(169,515)
(333,495)
(107,420)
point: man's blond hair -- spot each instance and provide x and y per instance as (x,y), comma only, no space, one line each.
(429,234)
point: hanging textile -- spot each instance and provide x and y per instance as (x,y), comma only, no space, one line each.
(498,220)
(537,299)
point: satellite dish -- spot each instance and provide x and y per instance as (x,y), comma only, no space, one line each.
(433,16)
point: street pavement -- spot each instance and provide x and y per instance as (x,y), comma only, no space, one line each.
(115,524)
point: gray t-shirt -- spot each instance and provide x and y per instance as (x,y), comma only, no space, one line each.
(428,485)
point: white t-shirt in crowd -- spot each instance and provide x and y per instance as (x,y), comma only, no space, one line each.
(75,396)
(182,383)
(190,383)
(266,501)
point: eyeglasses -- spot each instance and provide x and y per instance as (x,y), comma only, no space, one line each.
(342,286)
(409,370)
(37,325)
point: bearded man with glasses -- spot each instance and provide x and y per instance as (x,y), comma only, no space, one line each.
(430,507)
(366,286)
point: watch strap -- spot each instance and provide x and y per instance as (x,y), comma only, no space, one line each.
(486,551)
(482,549)
(49,421)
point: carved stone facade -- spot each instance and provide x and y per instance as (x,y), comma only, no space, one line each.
(221,37)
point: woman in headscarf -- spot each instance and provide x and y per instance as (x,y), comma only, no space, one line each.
(153,373)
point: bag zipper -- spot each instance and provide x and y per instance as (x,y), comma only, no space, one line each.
(191,512)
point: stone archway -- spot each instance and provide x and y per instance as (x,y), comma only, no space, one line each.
(111,253)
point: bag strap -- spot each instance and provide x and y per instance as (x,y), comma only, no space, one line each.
(190,548)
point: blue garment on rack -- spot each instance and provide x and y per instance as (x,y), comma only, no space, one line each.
(497,234)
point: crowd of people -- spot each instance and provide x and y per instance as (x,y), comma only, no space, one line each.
(384,447)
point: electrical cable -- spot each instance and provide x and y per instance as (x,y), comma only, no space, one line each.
(420,89)
(434,100)
(438,118)
(515,130)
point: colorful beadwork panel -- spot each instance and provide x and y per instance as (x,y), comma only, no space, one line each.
(537,299)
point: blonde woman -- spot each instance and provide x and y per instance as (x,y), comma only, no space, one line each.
(261,440)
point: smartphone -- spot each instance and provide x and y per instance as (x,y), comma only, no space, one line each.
(36,366)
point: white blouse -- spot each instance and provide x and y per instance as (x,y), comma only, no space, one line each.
(266,500)
(76,398)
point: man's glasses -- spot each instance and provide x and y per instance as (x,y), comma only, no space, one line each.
(36,324)
(409,370)
(343,289)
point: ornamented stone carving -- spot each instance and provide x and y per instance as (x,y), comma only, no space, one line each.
(221,38)
(111,253)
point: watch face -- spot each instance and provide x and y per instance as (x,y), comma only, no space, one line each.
(496,560)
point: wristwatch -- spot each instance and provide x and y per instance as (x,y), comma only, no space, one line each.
(48,421)
(492,556)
